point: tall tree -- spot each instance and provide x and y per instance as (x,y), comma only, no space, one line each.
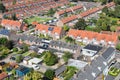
(14,17)
(117,2)
(81,24)
(105,10)
(104,22)
(50,58)
(3,40)
(67,56)
(2,8)
(9,44)
(117,11)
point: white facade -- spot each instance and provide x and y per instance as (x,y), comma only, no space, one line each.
(87,52)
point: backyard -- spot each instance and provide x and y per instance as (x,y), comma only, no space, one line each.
(37,19)
(114,71)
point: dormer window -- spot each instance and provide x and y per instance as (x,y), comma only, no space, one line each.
(93,74)
(99,68)
(105,63)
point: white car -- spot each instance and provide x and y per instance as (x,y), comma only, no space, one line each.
(35,67)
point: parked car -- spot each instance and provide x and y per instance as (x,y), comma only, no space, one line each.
(35,67)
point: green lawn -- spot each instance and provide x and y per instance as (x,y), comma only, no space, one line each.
(36,19)
(114,71)
(26,54)
(69,72)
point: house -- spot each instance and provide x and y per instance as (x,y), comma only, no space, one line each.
(67,20)
(35,61)
(61,13)
(98,66)
(59,70)
(91,50)
(88,14)
(26,59)
(59,54)
(4,33)
(31,40)
(77,63)
(3,75)
(54,32)
(21,71)
(62,46)
(11,24)
(89,37)
(24,9)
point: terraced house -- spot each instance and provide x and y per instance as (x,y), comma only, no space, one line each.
(90,37)
(13,25)
(30,8)
(88,14)
(55,32)
(68,11)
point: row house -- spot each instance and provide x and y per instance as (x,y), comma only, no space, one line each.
(55,32)
(61,13)
(67,20)
(31,8)
(91,13)
(98,66)
(62,46)
(31,40)
(89,37)
(11,24)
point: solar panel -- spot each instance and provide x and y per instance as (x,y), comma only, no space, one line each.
(50,28)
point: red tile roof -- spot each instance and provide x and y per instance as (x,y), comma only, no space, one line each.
(90,11)
(3,75)
(110,4)
(42,27)
(90,35)
(86,13)
(68,19)
(11,23)
(57,30)
(70,9)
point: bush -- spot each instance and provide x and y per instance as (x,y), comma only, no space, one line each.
(50,58)
(118,46)
(50,74)
(15,49)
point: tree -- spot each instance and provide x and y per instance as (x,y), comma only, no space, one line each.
(19,58)
(9,44)
(66,28)
(117,2)
(14,2)
(113,28)
(118,46)
(15,49)
(25,48)
(50,74)
(2,8)
(104,22)
(117,11)
(3,40)
(69,39)
(14,16)
(105,10)
(65,14)
(67,56)
(51,12)
(81,24)
(50,58)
